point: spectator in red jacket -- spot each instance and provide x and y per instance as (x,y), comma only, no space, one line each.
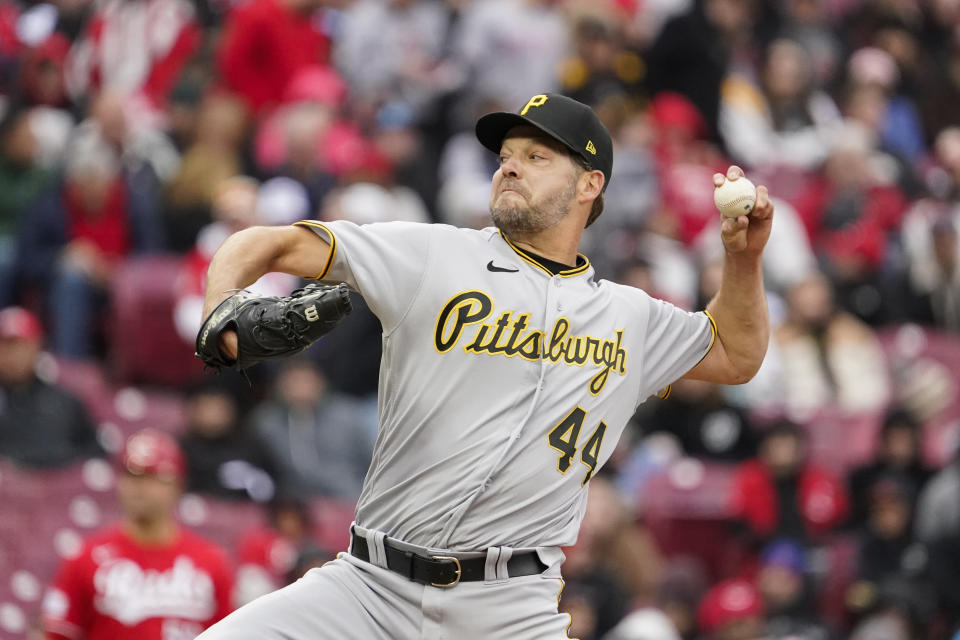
(781,494)
(73,239)
(265,42)
(146,578)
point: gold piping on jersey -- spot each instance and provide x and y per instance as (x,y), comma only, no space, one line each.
(713,338)
(510,335)
(527,258)
(663,395)
(331,240)
(566,632)
(713,329)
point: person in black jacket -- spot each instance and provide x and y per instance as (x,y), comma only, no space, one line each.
(693,52)
(41,425)
(898,456)
(223,459)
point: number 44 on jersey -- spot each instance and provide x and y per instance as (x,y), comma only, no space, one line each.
(564,436)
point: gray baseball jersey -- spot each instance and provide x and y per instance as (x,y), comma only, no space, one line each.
(503,387)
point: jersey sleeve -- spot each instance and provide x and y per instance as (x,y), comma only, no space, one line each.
(676,340)
(385,262)
(68,603)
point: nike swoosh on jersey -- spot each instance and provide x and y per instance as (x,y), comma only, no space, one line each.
(496,269)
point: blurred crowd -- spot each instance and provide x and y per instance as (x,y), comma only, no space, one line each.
(819,501)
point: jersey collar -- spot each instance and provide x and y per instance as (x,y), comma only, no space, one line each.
(583,263)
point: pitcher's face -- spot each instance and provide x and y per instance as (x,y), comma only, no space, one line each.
(535,185)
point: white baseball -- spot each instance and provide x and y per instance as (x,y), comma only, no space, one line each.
(735,198)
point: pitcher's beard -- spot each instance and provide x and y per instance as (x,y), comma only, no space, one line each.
(516,220)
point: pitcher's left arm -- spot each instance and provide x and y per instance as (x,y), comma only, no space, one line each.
(739,310)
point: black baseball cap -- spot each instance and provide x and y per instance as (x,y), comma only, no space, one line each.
(564,119)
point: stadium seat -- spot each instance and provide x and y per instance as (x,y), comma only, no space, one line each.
(687,507)
(21,489)
(840,559)
(133,409)
(331,523)
(84,378)
(145,347)
(222,521)
(842,441)
(689,488)
(45,513)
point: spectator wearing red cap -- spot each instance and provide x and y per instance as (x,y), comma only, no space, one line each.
(41,425)
(732,610)
(145,578)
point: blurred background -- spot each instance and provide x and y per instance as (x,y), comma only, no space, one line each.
(821,500)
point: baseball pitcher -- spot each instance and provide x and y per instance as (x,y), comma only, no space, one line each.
(507,377)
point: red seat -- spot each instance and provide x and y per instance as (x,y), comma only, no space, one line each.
(710,542)
(145,345)
(331,523)
(687,507)
(689,488)
(21,490)
(222,521)
(12,524)
(841,558)
(842,441)
(84,378)
(133,409)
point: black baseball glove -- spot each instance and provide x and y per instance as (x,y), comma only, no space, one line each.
(269,327)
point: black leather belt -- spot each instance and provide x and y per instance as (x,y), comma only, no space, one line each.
(444,571)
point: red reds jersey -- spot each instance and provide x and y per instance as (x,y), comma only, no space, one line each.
(117,589)
(266,548)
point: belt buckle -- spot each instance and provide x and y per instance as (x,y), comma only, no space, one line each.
(458,573)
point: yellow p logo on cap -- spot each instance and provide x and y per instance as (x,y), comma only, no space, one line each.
(535,101)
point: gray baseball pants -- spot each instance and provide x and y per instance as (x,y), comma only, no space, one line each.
(349,598)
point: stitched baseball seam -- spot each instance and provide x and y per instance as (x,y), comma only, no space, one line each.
(736,200)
